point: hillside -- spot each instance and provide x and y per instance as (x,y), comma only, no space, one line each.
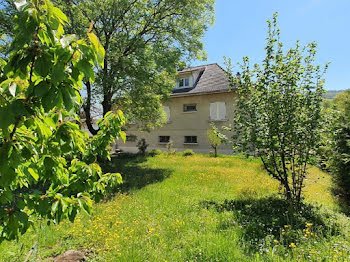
(330,94)
(198,208)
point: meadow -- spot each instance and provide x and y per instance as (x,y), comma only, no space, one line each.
(198,208)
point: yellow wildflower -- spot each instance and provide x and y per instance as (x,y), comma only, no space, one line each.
(292,245)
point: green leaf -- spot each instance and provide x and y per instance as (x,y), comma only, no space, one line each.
(41,89)
(58,72)
(98,48)
(54,206)
(33,173)
(7,117)
(67,99)
(50,99)
(43,64)
(59,14)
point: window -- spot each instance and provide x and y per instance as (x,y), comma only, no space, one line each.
(191,140)
(190,108)
(218,111)
(184,82)
(167,111)
(164,139)
(130,138)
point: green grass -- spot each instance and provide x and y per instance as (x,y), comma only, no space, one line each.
(199,208)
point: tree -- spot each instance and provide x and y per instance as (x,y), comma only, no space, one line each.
(145,42)
(335,153)
(278,112)
(48,166)
(213,139)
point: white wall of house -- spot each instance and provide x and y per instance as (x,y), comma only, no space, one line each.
(214,108)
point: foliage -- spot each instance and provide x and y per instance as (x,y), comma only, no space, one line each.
(48,165)
(334,155)
(155,152)
(142,146)
(213,139)
(278,111)
(162,210)
(145,42)
(188,152)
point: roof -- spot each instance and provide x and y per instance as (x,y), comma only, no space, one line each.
(212,79)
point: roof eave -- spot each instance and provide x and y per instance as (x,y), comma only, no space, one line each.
(202,93)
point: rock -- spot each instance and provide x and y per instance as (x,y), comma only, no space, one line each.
(71,256)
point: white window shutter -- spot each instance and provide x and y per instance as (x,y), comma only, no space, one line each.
(167,111)
(213,111)
(221,110)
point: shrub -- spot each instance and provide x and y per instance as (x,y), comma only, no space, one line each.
(142,146)
(188,152)
(278,110)
(155,152)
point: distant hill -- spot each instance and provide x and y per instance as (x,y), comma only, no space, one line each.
(332,93)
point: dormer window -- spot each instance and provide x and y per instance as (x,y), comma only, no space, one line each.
(184,82)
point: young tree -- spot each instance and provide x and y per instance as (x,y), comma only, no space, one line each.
(213,139)
(278,112)
(48,166)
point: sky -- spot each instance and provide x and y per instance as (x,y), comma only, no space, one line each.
(240,30)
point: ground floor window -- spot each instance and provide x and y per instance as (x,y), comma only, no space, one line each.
(131,138)
(164,139)
(191,140)
(190,108)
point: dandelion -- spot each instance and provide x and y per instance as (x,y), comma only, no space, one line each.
(292,245)
(275,241)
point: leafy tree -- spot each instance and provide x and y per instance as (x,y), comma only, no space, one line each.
(278,112)
(335,151)
(214,139)
(48,166)
(145,42)
(342,101)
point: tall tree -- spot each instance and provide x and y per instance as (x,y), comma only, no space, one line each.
(279,110)
(145,42)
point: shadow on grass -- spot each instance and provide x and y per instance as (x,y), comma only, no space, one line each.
(274,218)
(135,174)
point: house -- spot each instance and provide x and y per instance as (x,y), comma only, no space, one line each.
(202,96)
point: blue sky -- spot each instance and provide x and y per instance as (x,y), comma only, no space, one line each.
(240,30)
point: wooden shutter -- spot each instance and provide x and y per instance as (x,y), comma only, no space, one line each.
(213,111)
(221,109)
(167,111)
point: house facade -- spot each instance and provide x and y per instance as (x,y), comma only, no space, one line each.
(202,96)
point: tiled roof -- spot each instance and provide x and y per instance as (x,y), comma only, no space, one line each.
(212,78)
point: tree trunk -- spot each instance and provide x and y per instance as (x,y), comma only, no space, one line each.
(215,152)
(87,110)
(107,103)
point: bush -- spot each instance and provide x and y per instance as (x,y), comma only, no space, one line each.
(188,152)
(142,146)
(155,152)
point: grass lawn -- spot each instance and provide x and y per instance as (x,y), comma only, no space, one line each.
(198,208)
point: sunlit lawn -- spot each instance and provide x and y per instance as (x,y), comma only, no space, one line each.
(198,208)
